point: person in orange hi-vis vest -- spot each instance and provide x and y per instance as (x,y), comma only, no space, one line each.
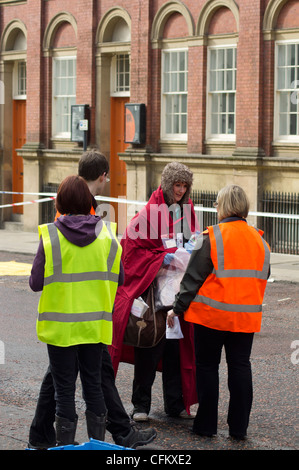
(222,293)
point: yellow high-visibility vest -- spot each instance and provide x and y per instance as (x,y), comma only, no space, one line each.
(80,285)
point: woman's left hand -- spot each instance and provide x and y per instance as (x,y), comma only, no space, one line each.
(170,321)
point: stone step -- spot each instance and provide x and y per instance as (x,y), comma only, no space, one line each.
(12,226)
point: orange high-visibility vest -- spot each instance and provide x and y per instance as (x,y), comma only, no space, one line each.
(231,297)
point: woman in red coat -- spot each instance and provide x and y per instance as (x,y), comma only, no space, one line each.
(148,243)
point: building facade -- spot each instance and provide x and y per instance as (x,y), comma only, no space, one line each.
(217,79)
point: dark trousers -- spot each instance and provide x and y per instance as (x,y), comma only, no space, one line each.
(64,364)
(42,429)
(208,347)
(146,362)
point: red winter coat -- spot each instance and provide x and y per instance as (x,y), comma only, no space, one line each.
(142,259)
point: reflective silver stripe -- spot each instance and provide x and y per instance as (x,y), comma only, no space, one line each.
(74,317)
(59,276)
(228,307)
(80,277)
(56,251)
(251,273)
(113,248)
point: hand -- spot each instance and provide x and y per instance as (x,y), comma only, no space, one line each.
(170,320)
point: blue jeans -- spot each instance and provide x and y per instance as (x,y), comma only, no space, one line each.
(208,346)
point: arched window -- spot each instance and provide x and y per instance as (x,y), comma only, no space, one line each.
(286,81)
(218,24)
(60,44)
(172,28)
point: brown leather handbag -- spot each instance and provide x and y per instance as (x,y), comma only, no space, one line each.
(147,331)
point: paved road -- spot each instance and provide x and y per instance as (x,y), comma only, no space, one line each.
(274,418)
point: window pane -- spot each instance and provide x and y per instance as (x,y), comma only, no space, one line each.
(223,103)
(231,124)
(63,88)
(231,103)
(176,103)
(176,128)
(220,80)
(64,93)
(284,99)
(223,124)
(229,59)
(281,79)
(184,124)
(166,62)
(168,104)
(175,91)
(214,124)
(291,54)
(293,124)
(287,76)
(213,59)
(122,73)
(182,61)
(290,77)
(71,67)
(220,64)
(174,82)
(283,124)
(293,102)
(182,82)
(63,68)
(229,80)
(174,61)
(214,103)
(184,103)
(281,55)
(213,81)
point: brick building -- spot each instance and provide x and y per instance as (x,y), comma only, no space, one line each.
(218,79)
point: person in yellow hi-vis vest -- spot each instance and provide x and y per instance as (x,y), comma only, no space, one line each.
(222,294)
(81,269)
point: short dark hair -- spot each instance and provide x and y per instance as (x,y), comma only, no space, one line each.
(73,196)
(92,164)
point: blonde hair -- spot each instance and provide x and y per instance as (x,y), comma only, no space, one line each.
(232,200)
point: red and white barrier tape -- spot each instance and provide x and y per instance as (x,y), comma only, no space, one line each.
(122,200)
(27,202)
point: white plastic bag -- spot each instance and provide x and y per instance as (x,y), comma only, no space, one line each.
(169,278)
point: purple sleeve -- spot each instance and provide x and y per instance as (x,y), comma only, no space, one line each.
(36,280)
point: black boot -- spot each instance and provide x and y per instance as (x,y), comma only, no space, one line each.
(65,431)
(96,425)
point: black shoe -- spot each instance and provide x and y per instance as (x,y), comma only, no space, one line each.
(40,445)
(237,437)
(202,434)
(136,438)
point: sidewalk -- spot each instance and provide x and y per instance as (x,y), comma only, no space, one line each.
(283,267)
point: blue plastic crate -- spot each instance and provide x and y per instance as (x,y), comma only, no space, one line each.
(93,444)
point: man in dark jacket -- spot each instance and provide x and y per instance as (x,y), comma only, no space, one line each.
(94,168)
